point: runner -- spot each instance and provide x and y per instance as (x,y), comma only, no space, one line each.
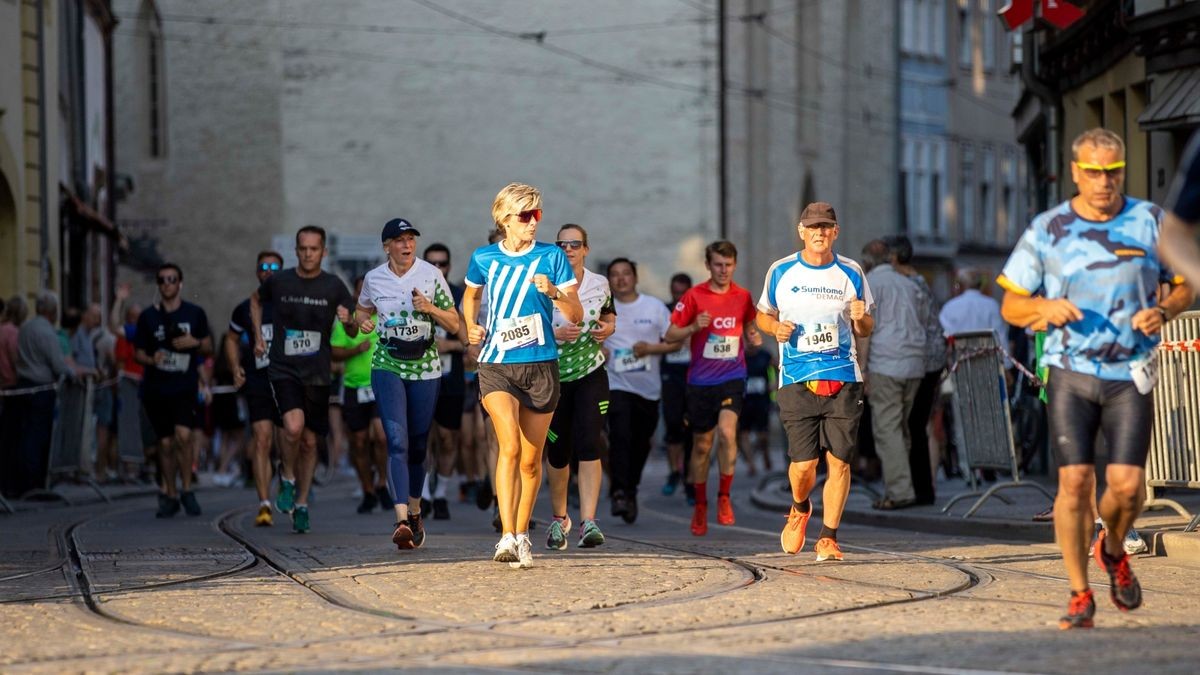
(577,429)
(368,451)
(635,383)
(409,296)
(674,407)
(172,337)
(754,424)
(716,316)
(449,413)
(250,377)
(518,376)
(305,301)
(1088,272)
(816,303)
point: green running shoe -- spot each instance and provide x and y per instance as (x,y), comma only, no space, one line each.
(556,538)
(300,519)
(590,535)
(285,501)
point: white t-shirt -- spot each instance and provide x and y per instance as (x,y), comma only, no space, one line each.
(643,320)
(406,337)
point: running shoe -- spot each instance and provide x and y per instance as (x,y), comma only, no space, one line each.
(368,503)
(497,524)
(285,501)
(690,491)
(264,519)
(483,495)
(1080,610)
(300,519)
(418,529)
(724,510)
(384,498)
(190,505)
(619,504)
(402,536)
(590,535)
(1134,544)
(426,505)
(167,506)
(672,484)
(631,509)
(792,537)
(524,553)
(827,549)
(441,509)
(700,520)
(506,549)
(1124,589)
(560,529)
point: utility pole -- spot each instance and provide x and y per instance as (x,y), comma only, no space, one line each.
(722,124)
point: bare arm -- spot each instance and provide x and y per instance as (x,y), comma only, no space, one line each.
(233,357)
(470,305)
(1179,249)
(260,345)
(1037,312)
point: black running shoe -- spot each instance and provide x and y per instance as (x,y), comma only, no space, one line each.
(418,529)
(690,490)
(631,509)
(385,499)
(1080,611)
(619,504)
(483,495)
(368,503)
(190,505)
(1125,591)
(441,509)
(496,523)
(426,505)
(167,506)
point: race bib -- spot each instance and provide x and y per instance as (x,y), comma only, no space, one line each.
(366,395)
(681,357)
(301,342)
(268,334)
(174,362)
(406,330)
(756,385)
(624,361)
(721,347)
(820,337)
(1144,370)
(519,332)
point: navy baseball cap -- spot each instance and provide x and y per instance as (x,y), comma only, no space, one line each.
(396,227)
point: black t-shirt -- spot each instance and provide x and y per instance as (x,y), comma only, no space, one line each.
(1184,198)
(304,312)
(675,365)
(453,380)
(179,371)
(241,325)
(758,368)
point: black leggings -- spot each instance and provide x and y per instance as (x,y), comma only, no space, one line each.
(575,431)
(631,422)
(1080,405)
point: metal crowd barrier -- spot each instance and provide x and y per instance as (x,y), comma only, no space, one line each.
(982,425)
(1174,460)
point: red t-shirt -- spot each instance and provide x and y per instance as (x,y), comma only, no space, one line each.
(124,354)
(718,351)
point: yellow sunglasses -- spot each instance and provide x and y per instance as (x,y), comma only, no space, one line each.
(1097,170)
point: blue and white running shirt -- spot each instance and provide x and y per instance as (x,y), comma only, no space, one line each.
(519,317)
(817,301)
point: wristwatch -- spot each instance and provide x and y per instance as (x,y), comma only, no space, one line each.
(1166,317)
(557,293)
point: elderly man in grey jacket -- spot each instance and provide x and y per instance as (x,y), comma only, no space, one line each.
(894,365)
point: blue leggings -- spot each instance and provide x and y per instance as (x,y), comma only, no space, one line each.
(406,410)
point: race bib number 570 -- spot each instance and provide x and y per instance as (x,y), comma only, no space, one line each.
(301,342)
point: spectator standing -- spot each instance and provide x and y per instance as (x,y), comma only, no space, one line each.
(14,315)
(895,358)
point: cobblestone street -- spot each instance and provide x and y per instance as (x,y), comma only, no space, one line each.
(108,588)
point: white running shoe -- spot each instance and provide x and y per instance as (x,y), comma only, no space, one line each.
(524,553)
(1134,544)
(506,549)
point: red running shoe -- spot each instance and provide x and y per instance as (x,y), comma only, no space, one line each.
(402,536)
(1124,589)
(724,510)
(1080,611)
(700,519)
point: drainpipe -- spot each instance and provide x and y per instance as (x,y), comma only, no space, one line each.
(43,203)
(1053,104)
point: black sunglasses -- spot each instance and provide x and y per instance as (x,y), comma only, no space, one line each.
(167,280)
(439,263)
(575,244)
(270,267)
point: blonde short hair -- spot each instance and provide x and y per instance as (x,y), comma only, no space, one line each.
(515,198)
(1097,138)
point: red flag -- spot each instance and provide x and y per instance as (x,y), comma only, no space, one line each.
(1016,12)
(1060,13)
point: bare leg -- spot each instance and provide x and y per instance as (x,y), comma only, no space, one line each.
(1073,520)
(560,480)
(591,476)
(260,457)
(185,456)
(727,451)
(802,476)
(306,465)
(289,442)
(533,428)
(701,449)
(1121,504)
(837,489)
(504,411)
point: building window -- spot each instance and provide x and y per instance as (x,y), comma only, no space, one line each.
(908,26)
(989,225)
(1012,215)
(967,218)
(939,28)
(964,33)
(987,26)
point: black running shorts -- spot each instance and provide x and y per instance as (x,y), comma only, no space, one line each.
(705,403)
(578,423)
(313,400)
(169,411)
(534,385)
(358,408)
(811,421)
(1079,405)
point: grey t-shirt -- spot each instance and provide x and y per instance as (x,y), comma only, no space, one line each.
(898,343)
(39,355)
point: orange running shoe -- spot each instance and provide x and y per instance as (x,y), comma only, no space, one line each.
(827,548)
(724,510)
(1080,611)
(700,519)
(792,537)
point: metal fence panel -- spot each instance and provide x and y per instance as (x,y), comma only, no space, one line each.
(1175,445)
(130,442)
(981,416)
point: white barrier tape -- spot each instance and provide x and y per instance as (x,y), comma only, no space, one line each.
(223,389)
(49,387)
(1033,378)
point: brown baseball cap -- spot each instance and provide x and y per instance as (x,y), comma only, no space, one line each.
(818,212)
